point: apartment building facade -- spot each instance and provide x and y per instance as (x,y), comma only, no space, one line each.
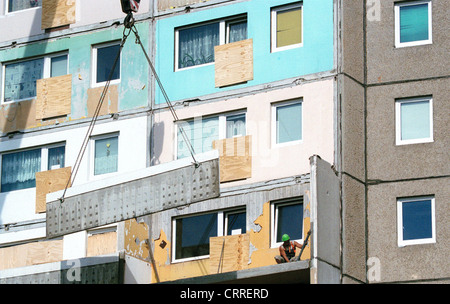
(298,102)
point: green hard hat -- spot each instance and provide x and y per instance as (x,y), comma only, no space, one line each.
(285,237)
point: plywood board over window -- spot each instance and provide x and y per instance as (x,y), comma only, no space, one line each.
(48,182)
(235,158)
(229,253)
(53,96)
(57,13)
(234,63)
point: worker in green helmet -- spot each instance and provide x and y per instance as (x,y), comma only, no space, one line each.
(287,250)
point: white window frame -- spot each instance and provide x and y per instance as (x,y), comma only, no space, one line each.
(44,157)
(398,121)
(273,26)
(92,141)
(274,220)
(397,7)
(224,30)
(222,126)
(222,216)
(400,241)
(94,51)
(22,10)
(46,72)
(274,123)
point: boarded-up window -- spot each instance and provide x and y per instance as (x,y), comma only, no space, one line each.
(56,13)
(287,29)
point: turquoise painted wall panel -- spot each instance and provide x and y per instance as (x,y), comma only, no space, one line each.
(316,54)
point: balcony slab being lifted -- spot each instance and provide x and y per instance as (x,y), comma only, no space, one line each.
(130,195)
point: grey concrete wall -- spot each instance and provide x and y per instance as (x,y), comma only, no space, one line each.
(387,63)
(385,160)
(414,262)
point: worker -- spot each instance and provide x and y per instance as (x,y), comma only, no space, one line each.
(287,250)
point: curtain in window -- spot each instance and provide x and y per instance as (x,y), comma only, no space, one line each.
(415,120)
(201,132)
(238,31)
(236,125)
(19,170)
(289,27)
(196,45)
(414,22)
(106,155)
(17,5)
(289,122)
(56,158)
(20,79)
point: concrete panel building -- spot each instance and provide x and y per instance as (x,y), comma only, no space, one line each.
(182,148)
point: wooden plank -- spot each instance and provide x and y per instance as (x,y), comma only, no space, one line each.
(48,182)
(31,254)
(57,13)
(171,4)
(234,63)
(235,158)
(102,243)
(53,96)
(229,253)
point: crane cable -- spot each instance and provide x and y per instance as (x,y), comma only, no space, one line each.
(129,27)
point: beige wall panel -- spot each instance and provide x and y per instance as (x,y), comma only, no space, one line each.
(233,62)
(53,96)
(57,13)
(102,243)
(110,102)
(48,182)
(170,4)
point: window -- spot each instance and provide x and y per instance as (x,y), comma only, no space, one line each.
(202,131)
(287,218)
(287,122)
(18,5)
(103,57)
(416,221)
(287,27)
(192,233)
(413,24)
(18,169)
(194,45)
(414,120)
(106,154)
(20,77)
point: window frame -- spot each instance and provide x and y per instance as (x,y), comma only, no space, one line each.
(44,159)
(273,27)
(400,241)
(92,141)
(222,216)
(274,107)
(94,57)
(397,7)
(7,12)
(274,219)
(222,117)
(224,29)
(398,121)
(46,73)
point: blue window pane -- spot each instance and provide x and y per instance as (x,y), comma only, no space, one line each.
(238,31)
(21,77)
(417,220)
(17,5)
(105,61)
(289,123)
(236,221)
(290,221)
(414,23)
(56,158)
(58,66)
(415,120)
(193,233)
(201,133)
